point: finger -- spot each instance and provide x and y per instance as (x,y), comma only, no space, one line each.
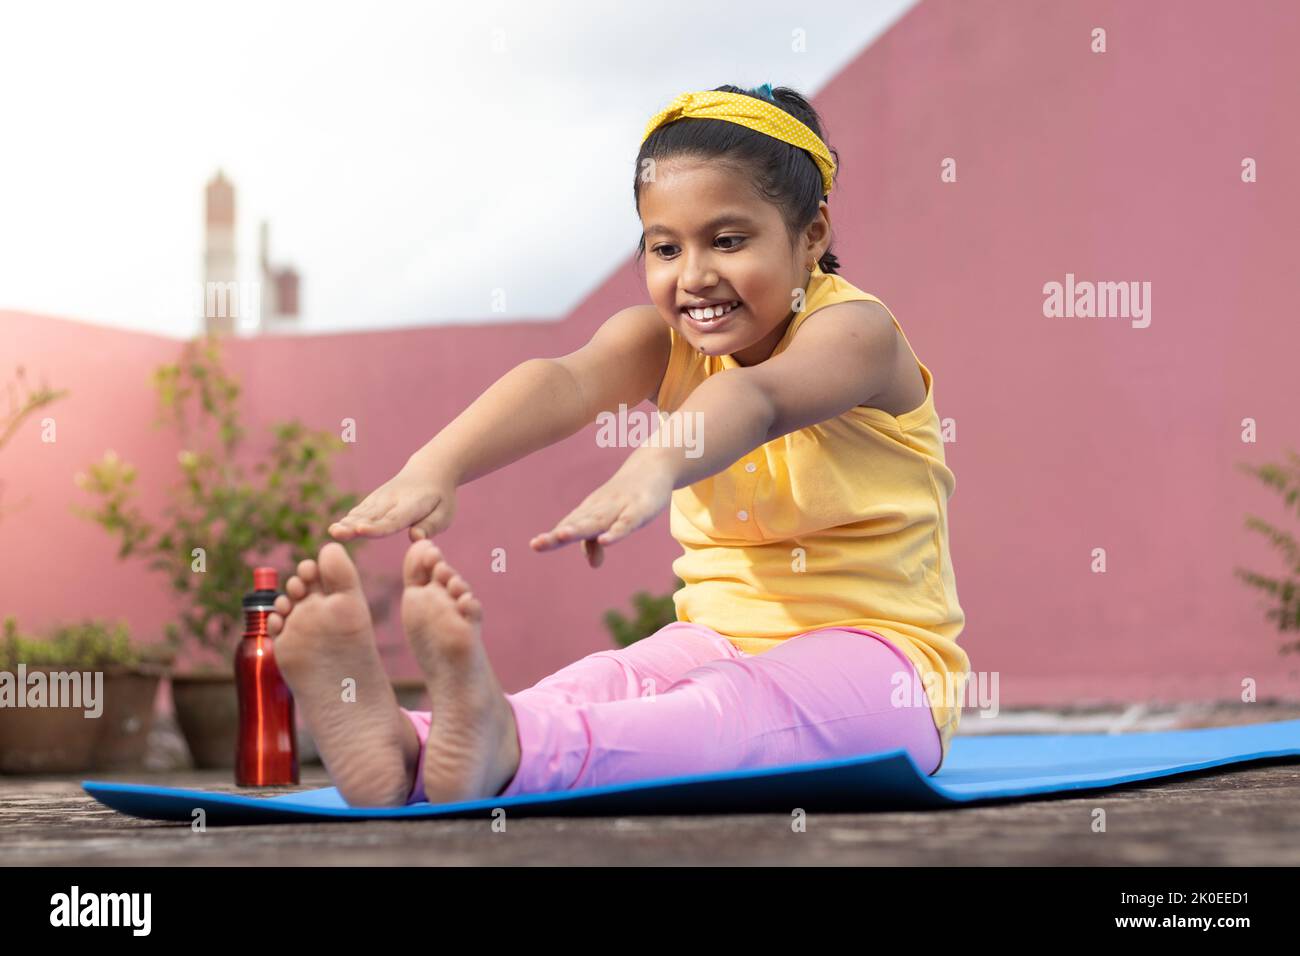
(542,542)
(370,520)
(624,525)
(617,531)
(557,537)
(359,513)
(549,542)
(372,529)
(348,528)
(587,526)
(433,523)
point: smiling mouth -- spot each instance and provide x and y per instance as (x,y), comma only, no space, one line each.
(708,319)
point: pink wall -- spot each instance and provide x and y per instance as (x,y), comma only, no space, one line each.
(542,612)
(1071,433)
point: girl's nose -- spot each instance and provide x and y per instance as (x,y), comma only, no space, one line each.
(697,278)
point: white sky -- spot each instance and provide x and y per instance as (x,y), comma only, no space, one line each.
(411,158)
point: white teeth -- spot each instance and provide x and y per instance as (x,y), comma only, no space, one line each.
(715,311)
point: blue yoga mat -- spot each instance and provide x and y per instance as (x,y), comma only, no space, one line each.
(978,769)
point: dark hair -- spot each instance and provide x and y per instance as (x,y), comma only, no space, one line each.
(785,175)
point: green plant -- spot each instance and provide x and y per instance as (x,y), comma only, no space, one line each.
(21,407)
(652,613)
(219,522)
(86,645)
(1285,590)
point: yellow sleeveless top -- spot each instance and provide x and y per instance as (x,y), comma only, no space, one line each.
(842,523)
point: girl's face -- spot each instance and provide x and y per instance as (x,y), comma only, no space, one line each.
(710,238)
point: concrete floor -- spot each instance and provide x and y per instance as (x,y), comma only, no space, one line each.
(1237,817)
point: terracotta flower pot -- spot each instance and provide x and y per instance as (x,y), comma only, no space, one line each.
(46,739)
(207,710)
(123,737)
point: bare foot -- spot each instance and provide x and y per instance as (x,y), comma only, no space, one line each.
(473,746)
(323,637)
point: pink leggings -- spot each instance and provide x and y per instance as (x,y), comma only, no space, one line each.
(685,701)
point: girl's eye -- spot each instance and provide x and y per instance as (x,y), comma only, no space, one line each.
(658,250)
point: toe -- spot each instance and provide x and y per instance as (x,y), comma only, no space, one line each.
(457,586)
(415,567)
(283,604)
(274,624)
(443,572)
(308,571)
(295,588)
(337,571)
(470,607)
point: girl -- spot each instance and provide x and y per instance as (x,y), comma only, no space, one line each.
(819,609)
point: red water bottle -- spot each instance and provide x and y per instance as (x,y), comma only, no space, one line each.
(267,751)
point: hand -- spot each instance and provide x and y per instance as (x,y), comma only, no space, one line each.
(418,498)
(613,511)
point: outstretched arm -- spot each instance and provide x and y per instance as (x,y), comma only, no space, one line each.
(843,356)
(535,404)
(544,401)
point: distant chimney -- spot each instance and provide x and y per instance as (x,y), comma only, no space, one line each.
(220,272)
(279,289)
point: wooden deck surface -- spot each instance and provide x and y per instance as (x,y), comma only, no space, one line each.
(1238,817)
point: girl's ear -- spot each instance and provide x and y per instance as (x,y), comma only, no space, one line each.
(819,231)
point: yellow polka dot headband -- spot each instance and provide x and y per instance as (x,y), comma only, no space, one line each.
(759,115)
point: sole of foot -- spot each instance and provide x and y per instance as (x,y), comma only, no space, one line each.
(325,648)
(472,750)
